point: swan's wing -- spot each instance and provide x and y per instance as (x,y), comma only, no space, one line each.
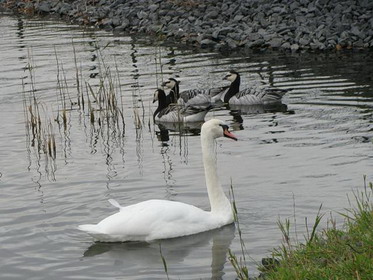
(115,203)
(151,220)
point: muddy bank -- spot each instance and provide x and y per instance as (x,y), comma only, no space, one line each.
(224,24)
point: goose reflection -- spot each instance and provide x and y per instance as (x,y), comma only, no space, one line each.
(237,111)
(257,109)
(175,251)
(182,129)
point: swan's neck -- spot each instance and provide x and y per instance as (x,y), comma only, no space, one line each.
(233,89)
(219,202)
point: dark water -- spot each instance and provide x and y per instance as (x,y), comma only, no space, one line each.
(286,163)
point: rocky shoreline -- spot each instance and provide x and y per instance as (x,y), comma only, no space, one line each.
(223,24)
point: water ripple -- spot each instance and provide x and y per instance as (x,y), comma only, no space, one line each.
(313,150)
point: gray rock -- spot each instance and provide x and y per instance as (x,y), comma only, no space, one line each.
(63,8)
(359,44)
(254,36)
(215,34)
(226,30)
(293,6)
(232,44)
(304,41)
(44,7)
(238,17)
(228,24)
(153,17)
(356,31)
(142,15)
(153,8)
(286,45)
(275,42)
(294,47)
(212,15)
(205,43)
(125,24)
(116,21)
(117,3)
(191,18)
(255,44)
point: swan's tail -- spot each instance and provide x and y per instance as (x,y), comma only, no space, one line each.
(96,233)
(90,229)
(115,203)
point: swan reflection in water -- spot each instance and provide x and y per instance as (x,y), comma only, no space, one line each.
(175,251)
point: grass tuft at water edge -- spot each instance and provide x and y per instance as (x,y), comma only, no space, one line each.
(333,253)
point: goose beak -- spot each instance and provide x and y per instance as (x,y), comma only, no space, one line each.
(155,97)
(229,134)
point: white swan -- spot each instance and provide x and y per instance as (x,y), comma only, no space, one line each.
(176,113)
(162,219)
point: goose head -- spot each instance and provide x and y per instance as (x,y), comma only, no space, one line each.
(159,95)
(235,80)
(231,76)
(217,128)
(171,83)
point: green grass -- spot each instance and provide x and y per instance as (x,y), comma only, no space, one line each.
(333,253)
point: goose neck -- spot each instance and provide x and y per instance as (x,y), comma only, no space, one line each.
(233,89)
(162,103)
(175,93)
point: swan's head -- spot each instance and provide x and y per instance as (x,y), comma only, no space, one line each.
(231,76)
(170,83)
(158,94)
(217,128)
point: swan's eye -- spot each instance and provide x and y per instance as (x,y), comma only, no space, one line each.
(227,133)
(224,126)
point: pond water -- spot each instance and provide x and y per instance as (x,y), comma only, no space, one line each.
(287,162)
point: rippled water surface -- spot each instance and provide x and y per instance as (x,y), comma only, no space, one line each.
(287,162)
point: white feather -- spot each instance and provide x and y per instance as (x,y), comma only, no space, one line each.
(160,219)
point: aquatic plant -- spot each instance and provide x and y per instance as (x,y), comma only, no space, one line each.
(239,264)
(164,262)
(331,253)
(99,99)
(40,134)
